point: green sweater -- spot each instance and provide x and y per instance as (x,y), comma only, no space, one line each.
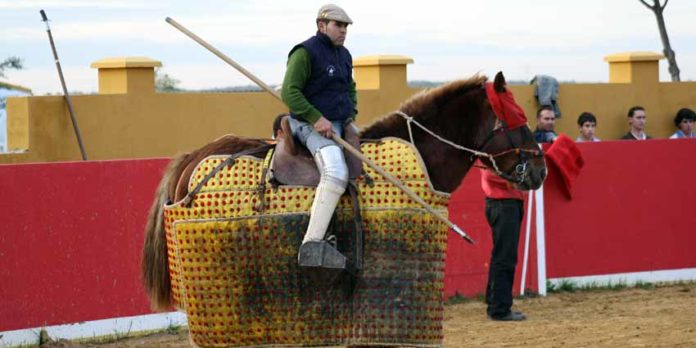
(296,76)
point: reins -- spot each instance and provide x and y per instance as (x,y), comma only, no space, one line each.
(475,153)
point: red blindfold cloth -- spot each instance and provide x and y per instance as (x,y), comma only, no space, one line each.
(504,106)
(563,153)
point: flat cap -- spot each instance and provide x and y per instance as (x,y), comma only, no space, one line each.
(333,12)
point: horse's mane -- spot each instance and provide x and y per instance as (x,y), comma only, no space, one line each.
(424,105)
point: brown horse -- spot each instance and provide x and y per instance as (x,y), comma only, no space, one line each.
(458,113)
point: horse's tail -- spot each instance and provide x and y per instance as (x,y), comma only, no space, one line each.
(155,267)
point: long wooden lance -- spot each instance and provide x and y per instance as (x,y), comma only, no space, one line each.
(335,137)
(65,89)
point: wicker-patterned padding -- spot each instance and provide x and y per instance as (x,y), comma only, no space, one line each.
(234,266)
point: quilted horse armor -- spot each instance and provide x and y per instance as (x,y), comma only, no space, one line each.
(233,259)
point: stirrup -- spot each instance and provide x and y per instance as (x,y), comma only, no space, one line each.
(320,254)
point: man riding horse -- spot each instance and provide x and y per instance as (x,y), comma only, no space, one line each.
(320,92)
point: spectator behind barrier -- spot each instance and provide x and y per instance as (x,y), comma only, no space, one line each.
(684,121)
(546,121)
(636,122)
(587,123)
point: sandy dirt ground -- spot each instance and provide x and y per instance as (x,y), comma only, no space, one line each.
(663,316)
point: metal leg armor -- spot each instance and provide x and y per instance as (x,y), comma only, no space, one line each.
(315,252)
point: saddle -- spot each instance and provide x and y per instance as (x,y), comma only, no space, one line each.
(292,164)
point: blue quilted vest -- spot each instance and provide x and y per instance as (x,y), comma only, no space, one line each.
(328,87)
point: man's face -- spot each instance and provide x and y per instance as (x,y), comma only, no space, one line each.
(547,120)
(637,122)
(336,31)
(686,126)
(587,130)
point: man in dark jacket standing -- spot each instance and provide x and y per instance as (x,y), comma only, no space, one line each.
(320,92)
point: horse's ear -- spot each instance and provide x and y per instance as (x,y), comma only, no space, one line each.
(499,82)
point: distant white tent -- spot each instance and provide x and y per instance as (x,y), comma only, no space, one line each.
(7,90)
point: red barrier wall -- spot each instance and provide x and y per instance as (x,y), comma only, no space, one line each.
(71,233)
(70,240)
(632,210)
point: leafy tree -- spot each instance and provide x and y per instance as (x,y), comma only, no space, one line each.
(10,63)
(658,8)
(166,83)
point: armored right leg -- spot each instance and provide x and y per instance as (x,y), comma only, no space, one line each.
(333,182)
(315,251)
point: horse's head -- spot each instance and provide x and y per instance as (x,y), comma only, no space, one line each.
(454,124)
(513,153)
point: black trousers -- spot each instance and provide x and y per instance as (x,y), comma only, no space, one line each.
(505,218)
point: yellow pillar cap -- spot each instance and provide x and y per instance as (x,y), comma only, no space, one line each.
(640,56)
(125,62)
(384,59)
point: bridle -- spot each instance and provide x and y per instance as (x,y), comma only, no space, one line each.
(523,155)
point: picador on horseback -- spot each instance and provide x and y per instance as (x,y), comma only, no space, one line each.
(320,92)
(222,233)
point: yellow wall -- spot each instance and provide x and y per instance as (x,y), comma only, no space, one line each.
(138,123)
(136,126)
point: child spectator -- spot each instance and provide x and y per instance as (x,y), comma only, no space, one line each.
(587,123)
(684,121)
